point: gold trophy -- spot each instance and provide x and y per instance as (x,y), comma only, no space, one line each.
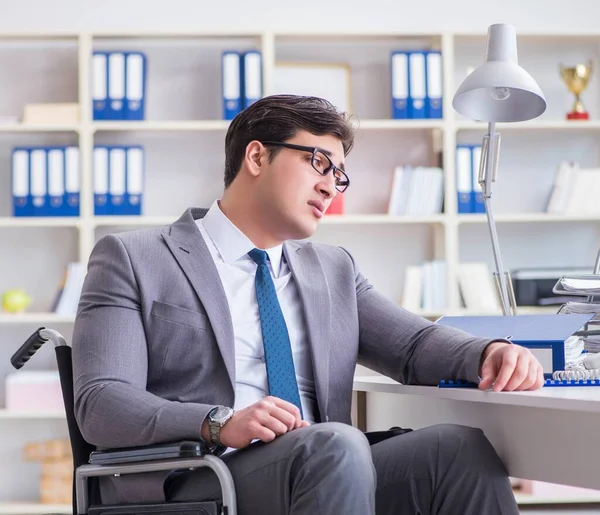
(576,78)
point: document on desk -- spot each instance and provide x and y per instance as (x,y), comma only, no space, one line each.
(583,285)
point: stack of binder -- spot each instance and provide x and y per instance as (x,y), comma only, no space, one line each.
(551,338)
(119,85)
(587,286)
(242,83)
(45,181)
(118,174)
(469,193)
(417,84)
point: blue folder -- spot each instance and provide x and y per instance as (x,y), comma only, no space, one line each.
(531,331)
(400,86)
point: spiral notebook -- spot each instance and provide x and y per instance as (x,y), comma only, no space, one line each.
(547,383)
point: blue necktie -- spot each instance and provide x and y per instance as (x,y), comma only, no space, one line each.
(276,341)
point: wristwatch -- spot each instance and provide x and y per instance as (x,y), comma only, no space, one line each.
(217,418)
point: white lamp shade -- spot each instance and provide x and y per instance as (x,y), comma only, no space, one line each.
(500,90)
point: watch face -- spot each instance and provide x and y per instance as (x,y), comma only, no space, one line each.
(221,414)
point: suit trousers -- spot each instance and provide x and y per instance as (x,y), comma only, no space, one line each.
(330,468)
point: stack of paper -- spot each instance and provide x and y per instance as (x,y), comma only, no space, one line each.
(416,191)
(586,286)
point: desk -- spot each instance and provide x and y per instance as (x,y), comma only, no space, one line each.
(551,435)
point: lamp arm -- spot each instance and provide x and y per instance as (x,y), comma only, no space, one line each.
(488,170)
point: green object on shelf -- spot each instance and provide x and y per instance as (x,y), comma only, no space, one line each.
(15,301)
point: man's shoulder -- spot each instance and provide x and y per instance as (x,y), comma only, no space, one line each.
(142,234)
(138,239)
(325,251)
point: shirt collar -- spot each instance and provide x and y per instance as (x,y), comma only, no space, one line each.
(231,243)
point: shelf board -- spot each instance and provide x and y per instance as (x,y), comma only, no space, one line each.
(527,218)
(39,221)
(148,125)
(25,508)
(531,499)
(100,221)
(222,125)
(183,33)
(120,221)
(381,219)
(400,124)
(20,127)
(35,318)
(533,125)
(38,415)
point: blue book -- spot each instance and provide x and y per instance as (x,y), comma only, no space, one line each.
(231,84)
(100,176)
(38,181)
(21,195)
(435,84)
(100,85)
(251,74)
(117,180)
(72,181)
(135,171)
(135,85)
(399,72)
(417,85)
(463,179)
(55,198)
(116,86)
(478,205)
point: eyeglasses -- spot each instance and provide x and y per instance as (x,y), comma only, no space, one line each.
(320,161)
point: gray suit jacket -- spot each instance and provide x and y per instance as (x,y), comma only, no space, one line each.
(153,343)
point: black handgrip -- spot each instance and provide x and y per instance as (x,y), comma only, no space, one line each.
(28,349)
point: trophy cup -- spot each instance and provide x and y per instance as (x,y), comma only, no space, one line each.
(576,78)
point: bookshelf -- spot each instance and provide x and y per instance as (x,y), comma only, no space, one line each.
(183,136)
(24,508)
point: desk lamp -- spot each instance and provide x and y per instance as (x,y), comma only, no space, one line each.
(498,91)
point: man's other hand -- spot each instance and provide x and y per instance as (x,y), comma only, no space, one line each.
(510,367)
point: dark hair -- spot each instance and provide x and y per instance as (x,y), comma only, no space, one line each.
(279,118)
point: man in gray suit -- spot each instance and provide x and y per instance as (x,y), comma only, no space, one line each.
(225,326)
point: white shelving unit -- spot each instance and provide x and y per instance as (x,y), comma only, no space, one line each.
(184,136)
(23,508)
(367,54)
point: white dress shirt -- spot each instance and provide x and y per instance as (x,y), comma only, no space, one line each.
(229,248)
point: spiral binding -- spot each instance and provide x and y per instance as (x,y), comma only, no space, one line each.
(576,374)
(547,382)
(457,383)
(572,382)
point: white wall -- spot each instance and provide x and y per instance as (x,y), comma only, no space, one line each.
(438,15)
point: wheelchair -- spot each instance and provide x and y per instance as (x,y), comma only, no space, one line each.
(89,464)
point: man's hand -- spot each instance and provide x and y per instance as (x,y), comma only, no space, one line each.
(510,367)
(265,420)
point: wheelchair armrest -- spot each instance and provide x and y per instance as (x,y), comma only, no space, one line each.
(170,450)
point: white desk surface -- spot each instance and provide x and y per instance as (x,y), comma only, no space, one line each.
(571,398)
(546,435)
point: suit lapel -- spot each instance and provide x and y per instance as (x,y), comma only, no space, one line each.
(312,286)
(194,258)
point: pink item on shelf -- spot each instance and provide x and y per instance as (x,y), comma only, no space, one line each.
(33,391)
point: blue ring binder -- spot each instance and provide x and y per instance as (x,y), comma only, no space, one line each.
(547,383)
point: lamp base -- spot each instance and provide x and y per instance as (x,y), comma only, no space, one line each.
(578,116)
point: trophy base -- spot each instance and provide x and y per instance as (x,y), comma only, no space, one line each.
(578,116)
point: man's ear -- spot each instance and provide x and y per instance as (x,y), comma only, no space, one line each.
(255,157)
